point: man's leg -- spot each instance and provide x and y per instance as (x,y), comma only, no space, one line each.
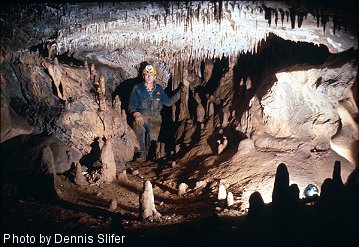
(154,131)
(140,132)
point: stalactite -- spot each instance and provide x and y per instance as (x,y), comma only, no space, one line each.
(292,17)
(281,15)
(268,15)
(324,21)
(287,15)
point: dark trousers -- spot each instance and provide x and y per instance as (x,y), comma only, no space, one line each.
(148,132)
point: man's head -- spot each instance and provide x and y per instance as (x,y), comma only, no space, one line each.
(149,73)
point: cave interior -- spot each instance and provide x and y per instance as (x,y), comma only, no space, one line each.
(260,149)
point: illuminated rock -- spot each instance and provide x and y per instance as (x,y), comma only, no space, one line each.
(147,202)
(222,194)
(182,189)
(230,199)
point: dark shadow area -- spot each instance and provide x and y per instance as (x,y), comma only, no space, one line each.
(219,69)
(89,160)
(124,89)
(69,59)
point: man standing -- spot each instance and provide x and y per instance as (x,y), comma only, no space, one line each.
(146,102)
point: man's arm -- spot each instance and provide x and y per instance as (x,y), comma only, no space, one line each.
(168,101)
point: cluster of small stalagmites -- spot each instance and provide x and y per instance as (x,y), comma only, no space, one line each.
(286,201)
(30,58)
(223,195)
(112,118)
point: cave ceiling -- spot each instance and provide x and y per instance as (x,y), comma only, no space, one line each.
(123,34)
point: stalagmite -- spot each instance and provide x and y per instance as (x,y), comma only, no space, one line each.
(101,91)
(93,73)
(162,150)
(182,189)
(230,199)
(112,205)
(188,132)
(225,119)
(122,177)
(117,118)
(249,84)
(222,194)
(107,159)
(200,109)
(208,69)
(79,177)
(187,79)
(124,119)
(158,150)
(210,106)
(147,203)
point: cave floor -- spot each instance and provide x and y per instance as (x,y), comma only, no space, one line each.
(85,209)
(194,219)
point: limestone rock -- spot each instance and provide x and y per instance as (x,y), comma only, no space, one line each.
(108,169)
(182,189)
(200,184)
(147,202)
(280,195)
(246,146)
(256,205)
(11,123)
(200,109)
(222,194)
(230,199)
(112,205)
(346,140)
(47,164)
(122,177)
(79,177)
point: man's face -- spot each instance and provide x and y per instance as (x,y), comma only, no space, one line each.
(149,78)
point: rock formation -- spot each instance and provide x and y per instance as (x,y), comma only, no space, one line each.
(79,177)
(222,193)
(230,199)
(147,203)
(108,164)
(182,189)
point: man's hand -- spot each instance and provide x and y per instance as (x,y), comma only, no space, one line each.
(138,119)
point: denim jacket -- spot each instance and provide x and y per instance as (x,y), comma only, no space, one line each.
(145,103)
